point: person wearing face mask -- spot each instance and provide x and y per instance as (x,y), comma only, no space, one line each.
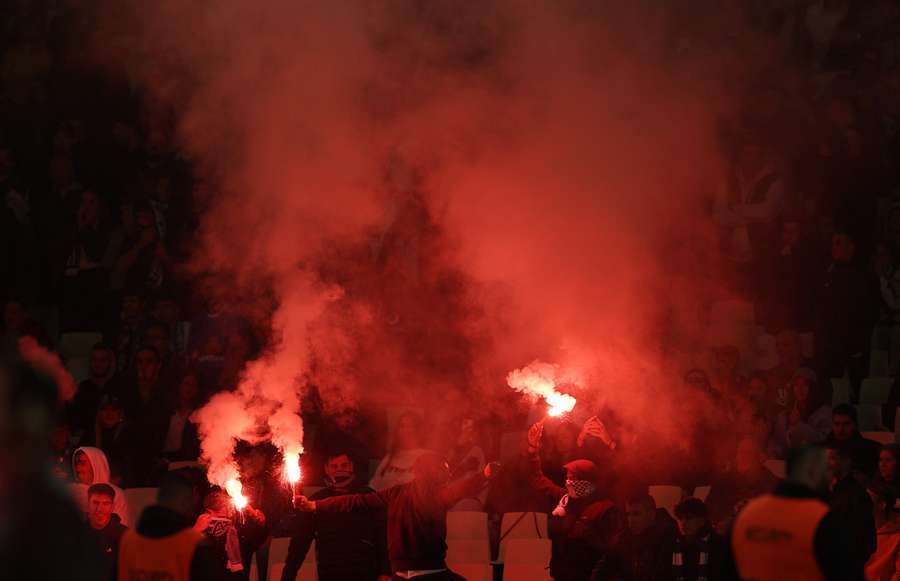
(584,525)
(348,545)
(416,516)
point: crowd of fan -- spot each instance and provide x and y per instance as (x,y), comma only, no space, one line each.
(98,219)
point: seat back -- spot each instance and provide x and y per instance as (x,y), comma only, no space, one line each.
(139,499)
(527,560)
(840,391)
(666,496)
(869,417)
(702,492)
(880,437)
(521,525)
(776,467)
(875,390)
(470,558)
(467,524)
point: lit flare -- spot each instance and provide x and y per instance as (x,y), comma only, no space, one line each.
(292,468)
(234,489)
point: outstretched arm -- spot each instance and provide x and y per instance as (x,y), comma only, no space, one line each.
(367,501)
(536,478)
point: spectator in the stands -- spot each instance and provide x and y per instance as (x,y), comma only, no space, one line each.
(167,311)
(85,278)
(845,316)
(91,467)
(888,466)
(726,378)
(560,446)
(807,416)
(217,524)
(790,363)
(110,433)
(746,479)
(848,499)
(882,565)
(182,442)
(132,317)
(82,410)
(863,453)
(147,403)
(106,528)
(465,458)
(644,550)
(348,545)
(699,552)
(142,262)
(407,444)
(156,335)
(790,265)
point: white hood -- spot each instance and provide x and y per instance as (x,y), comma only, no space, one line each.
(98,461)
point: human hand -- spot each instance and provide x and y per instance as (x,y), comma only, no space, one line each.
(534,436)
(304,504)
(593,427)
(491,469)
(202,522)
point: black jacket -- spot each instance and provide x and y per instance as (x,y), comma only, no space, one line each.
(641,557)
(863,452)
(852,503)
(830,544)
(348,545)
(158,521)
(107,543)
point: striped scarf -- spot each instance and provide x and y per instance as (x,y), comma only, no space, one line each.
(703,563)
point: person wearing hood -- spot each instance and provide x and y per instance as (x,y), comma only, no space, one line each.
(348,546)
(416,516)
(91,467)
(584,525)
(883,564)
(106,528)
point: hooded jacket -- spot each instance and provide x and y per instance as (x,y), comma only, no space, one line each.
(107,541)
(101,476)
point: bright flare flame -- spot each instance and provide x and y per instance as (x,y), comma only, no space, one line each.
(234,487)
(540,380)
(292,467)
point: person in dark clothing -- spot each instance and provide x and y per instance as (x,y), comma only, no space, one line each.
(348,546)
(110,434)
(164,537)
(769,539)
(220,524)
(863,453)
(416,516)
(748,478)
(147,404)
(82,410)
(845,316)
(266,493)
(643,549)
(698,552)
(850,500)
(584,525)
(106,528)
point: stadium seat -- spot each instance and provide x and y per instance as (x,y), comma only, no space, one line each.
(702,492)
(840,391)
(869,417)
(467,524)
(470,558)
(139,499)
(776,467)
(278,555)
(875,390)
(666,496)
(521,525)
(880,437)
(527,560)
(79,367)
(78,344)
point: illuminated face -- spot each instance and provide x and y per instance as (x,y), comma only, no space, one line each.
(109,416)
(189,388)
(84,470)
(887,466)
(800,385)
(100,509)
(101,363)
(640,517)
(338,464)
(842,427)
(147,364)
(689,526)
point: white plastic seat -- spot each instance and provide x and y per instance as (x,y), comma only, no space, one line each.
(840,391)
(702,492)
(79,368)
(278,555)
(470,558)
(666,496)
(139,499)
(868,417)
(875,390)
(880,437)
(776,467)
(527,560)
(466,524)
(521,525)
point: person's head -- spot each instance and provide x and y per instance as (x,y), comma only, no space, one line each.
(101,499)
(189,390)
(787,346)
(132,306)
(338,470)
(843,247)
(103,362)
(408,432)
(178,493)
(801,386)
(838,461)
(691,516)
(156,335)
(110,413)
(431,469)
(887,464)
(808,467)
(640,510)
(883,499)
(14,317)
(843,422)
(253,460)
(581,478)
(758,386)
(218,504)
(749,457)
(84,469)
(89,207)
(147,364)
